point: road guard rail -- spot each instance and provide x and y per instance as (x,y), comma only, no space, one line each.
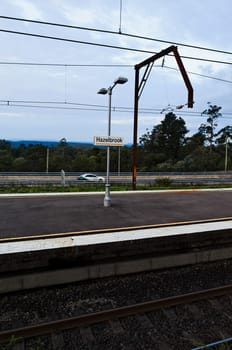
(71,178)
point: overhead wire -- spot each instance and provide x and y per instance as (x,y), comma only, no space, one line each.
(74,41)
(108,46)
(62,105)
(104,45)
(65,64)
(116,33)
(202,75)
(106,66)
(111,46)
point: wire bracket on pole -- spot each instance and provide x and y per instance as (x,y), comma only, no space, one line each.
(139,86)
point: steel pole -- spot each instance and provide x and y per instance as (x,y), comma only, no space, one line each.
(136,102)
(107,198)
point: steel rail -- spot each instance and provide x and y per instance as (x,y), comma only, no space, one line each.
(103,316)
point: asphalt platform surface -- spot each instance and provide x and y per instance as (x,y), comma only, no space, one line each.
(47,214)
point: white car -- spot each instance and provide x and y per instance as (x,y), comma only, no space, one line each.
(91,177)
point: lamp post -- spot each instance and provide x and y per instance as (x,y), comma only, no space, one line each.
(103,91)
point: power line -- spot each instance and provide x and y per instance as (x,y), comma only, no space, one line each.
(107,46)
(117,33)
(65,64)
(95,107)
(201,75)
(74,41)
(106,66)
(8,102)
(55,107)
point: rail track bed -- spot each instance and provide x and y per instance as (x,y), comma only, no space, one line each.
(130,312)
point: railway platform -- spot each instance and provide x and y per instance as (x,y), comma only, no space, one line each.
(56,239)
(55,213)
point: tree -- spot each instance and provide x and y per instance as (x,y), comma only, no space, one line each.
(5,145)
(224,134)
(5,160)
(208,129)
(196,140)
(166,139)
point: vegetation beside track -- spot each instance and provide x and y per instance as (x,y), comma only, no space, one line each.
(165,148)
(101,188)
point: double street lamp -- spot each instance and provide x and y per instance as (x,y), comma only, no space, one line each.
(103,91)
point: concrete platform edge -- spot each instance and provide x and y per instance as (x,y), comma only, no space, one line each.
(104,270)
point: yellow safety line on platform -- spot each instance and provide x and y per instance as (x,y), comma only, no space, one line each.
(113,229)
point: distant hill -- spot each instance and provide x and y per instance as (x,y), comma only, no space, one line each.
(52,143)
(48,143)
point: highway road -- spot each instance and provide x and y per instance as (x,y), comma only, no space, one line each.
(124,178)
(49,214)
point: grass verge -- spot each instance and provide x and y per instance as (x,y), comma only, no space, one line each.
(100,188)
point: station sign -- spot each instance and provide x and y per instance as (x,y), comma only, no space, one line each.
(108,141)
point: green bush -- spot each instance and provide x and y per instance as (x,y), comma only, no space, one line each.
(163,182)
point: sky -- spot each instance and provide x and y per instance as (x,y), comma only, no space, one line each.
(56,96)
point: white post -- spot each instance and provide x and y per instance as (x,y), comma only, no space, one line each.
(62,177)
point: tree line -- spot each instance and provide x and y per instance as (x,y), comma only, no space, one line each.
(164,148)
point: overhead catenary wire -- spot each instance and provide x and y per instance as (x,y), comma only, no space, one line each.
(111,46)
(116,33)
(74,41)
(98,108)
(108,46)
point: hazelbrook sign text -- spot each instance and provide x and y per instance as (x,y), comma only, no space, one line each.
(108,141)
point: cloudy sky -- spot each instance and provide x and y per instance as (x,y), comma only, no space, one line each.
(49,87)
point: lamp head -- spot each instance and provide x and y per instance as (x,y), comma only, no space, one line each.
(120,80)
(102,91)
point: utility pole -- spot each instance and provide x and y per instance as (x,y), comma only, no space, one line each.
(47,160)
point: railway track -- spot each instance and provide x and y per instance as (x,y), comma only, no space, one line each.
(142,313)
